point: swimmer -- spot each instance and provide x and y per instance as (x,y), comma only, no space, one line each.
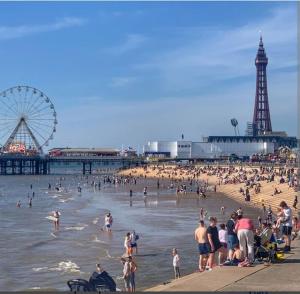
(18,204)
(30,202)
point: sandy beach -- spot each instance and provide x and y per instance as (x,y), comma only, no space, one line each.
(231,190)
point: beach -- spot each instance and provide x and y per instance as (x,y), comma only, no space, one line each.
(46,259)
(228,190)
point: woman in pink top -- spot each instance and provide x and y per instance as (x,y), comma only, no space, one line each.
(245,232)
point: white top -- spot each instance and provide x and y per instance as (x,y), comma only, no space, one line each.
(176,260)
(107,221)
(127,242)
(126,269)
(288,217)
(223,236)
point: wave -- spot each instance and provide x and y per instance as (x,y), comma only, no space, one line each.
(98,240)
(63,266)
(76,228)
(95,221)
(38,269)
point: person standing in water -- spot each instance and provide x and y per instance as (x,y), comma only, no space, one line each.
(176,260)
(222,209)
(133,239)
(201,213)
(30,202)
(108,222)
(145,191)
(133,268)
(18,204)
(127,244)
(56,215)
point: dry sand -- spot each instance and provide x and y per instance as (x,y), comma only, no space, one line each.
(230,190)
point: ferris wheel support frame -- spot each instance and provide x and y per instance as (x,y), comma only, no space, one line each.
(15,131)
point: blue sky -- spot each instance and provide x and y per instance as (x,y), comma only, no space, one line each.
(126,73)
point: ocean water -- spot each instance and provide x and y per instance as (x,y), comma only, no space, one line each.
(35,256)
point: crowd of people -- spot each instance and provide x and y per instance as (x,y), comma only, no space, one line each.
(237,241)
(234,243)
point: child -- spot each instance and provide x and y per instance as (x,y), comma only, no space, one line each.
(223,236)
(176,263)
(237,255)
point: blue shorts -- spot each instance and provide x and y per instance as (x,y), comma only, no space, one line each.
(203,248)
(232,241)
(108,226)
(133,245)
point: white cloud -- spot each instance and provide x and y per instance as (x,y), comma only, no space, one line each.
(12,32)
(132,42)
(227,53)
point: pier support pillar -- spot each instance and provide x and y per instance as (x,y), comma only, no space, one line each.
(21,167)
(83,168)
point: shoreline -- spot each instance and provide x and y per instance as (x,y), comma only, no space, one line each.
(229,190)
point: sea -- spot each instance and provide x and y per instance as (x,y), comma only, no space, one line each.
(36,256)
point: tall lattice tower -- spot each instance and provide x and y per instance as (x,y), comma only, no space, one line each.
(261,116)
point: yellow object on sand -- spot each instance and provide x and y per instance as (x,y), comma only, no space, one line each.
(280,255)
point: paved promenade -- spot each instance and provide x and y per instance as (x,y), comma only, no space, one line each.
(283,276)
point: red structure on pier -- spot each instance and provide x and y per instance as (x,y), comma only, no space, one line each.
(261,116)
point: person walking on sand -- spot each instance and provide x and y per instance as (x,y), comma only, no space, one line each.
(200,236)
(295,202)
(176,260)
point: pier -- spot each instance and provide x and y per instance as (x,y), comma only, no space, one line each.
(17,164)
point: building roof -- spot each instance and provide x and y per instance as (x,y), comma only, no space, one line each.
(88,150)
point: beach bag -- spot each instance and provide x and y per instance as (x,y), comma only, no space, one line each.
(279,255)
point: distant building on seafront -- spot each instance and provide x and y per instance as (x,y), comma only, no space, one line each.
(259,139)
(84,152)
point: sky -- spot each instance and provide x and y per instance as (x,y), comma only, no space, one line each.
(124,73)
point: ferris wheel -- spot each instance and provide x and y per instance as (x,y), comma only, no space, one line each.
(27,120)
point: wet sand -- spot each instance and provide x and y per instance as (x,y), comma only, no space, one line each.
(230,190)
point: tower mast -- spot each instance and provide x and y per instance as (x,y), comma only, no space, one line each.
(261,116)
